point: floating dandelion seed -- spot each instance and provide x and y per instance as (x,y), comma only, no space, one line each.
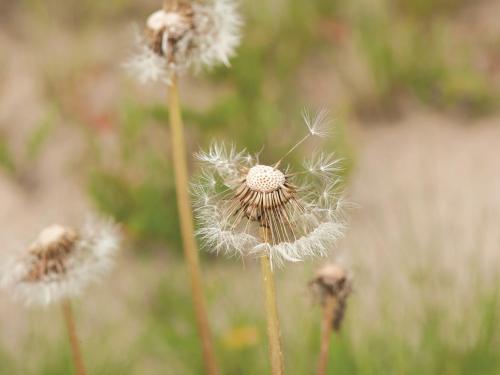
(61,263)
(236,198)
(184,35)
(317,124)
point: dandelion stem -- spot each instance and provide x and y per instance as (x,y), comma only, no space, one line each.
(273,324)
(73,338)
(326,333)
(187,227)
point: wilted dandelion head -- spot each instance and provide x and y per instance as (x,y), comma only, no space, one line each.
(185,34)
(245,207)
(332,283)
(61,262)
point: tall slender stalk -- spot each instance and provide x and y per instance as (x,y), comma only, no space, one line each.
(187,227)
(326,333)
(273,324)
(73,338)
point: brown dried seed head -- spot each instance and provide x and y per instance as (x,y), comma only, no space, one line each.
(50,251)
(263,195)
(169,23)
(332,277)
(333,283)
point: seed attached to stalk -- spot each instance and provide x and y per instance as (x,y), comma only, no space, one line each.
(236,195)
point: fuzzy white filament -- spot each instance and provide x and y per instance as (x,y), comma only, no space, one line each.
(61,263)
(192,35)
(318,124)
(146,65)
(323,164)
(236,197)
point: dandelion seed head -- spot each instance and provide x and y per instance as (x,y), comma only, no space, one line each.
(60,263)
(264,179)
(333,282)
(174,23)
(166,28)
(332,276)
(248,208)
(55,235)
(188,35)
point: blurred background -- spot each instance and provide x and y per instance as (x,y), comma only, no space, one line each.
(414,91)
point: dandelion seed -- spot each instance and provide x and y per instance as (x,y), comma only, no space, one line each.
(323,165)
(186,35)
(318,124)
(61,263)
(302,221)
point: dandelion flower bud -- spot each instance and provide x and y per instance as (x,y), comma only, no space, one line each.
(184,35)
(60,263)
(332,283)
(237,199)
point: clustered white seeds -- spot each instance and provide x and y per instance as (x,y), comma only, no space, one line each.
(264,179)
(175,24)
(61,262)
(168,32)
(184,35)
(237,200)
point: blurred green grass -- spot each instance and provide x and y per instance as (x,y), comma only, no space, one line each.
(168,344)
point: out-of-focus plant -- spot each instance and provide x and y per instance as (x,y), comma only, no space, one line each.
(331,287)
(411,52)
(137,186)
(58,266)
(40,135)
(6,157)
(180,37)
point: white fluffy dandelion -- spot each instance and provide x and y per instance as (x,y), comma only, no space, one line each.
(186,35)
(244,207)
(61,262)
